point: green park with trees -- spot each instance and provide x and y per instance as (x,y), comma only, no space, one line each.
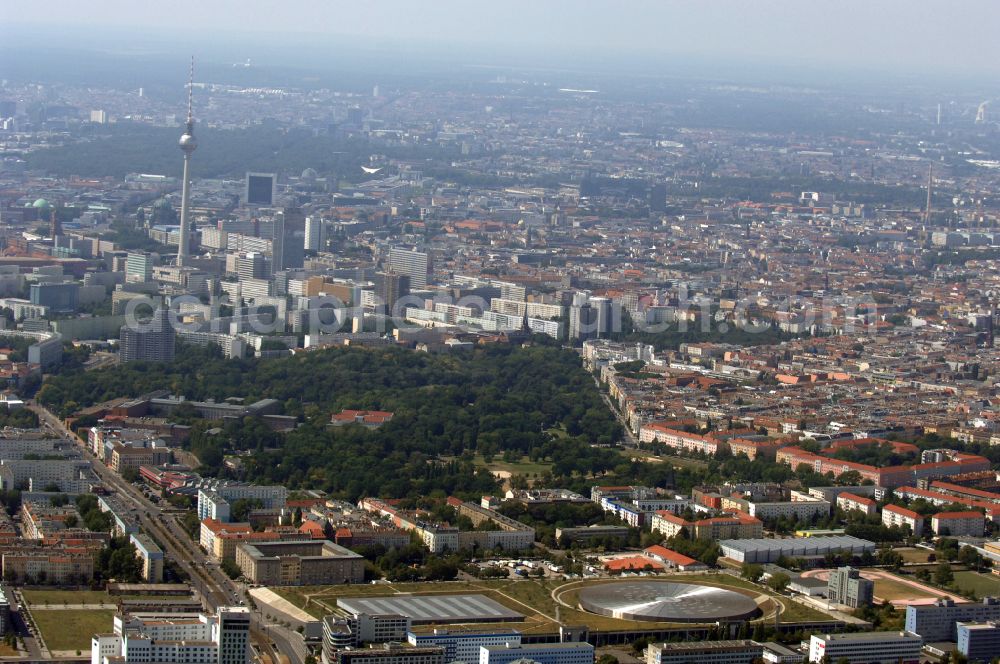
(447,408)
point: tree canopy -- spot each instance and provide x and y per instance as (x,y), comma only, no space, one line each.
(446,408)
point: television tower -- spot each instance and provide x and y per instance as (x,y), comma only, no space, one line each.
(188,144)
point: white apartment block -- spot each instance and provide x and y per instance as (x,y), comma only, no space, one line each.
(681,440)
(510,291)
(139,267)
(551,328)
(602,351)
(464,646)
(24,308)
(18,448)
(232,346)
(958,524)
(214,238)
(176,638)
(69,476)
(543,653)
(531,309)
(239,242)
(849,503)
(387,653)
(151,556)
(705,652)
(800,509)
(439,540)
(866,647)
(255,289)
(412,263)
(215,503)
(894,515)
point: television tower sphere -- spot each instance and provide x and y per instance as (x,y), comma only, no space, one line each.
(188,142)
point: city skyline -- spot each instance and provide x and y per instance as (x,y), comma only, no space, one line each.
(552,333)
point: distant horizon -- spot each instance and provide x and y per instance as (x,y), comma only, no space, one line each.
(438,60)
(774,41)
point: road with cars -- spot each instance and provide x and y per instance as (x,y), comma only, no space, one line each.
(213,586)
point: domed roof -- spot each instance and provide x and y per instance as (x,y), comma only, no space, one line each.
(41,203)
(309,174)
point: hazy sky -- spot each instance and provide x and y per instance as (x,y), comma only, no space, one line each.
(913,35)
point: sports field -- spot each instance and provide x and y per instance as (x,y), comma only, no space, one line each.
(983,585)
(537,600)
(892,590)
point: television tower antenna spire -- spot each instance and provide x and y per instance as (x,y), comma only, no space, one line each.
(190,117)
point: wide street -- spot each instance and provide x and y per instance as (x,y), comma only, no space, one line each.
(209,581)
(21,629)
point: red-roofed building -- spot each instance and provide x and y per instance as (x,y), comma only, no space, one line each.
(890,476)
(312,528)
(894,515)
(673,559)
(165,479)
(992,510)
(735,525)
(212,528)
(849,502)
(670,524)
(965,491)
(368,418)
(390,538)
(957,524)
(707,498)
(855,443)
(303,503)
(755,448)
(224,545)
(681,440)
(634,563)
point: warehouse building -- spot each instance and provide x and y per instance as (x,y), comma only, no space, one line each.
(590,533)
(770,550)
(433,609)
